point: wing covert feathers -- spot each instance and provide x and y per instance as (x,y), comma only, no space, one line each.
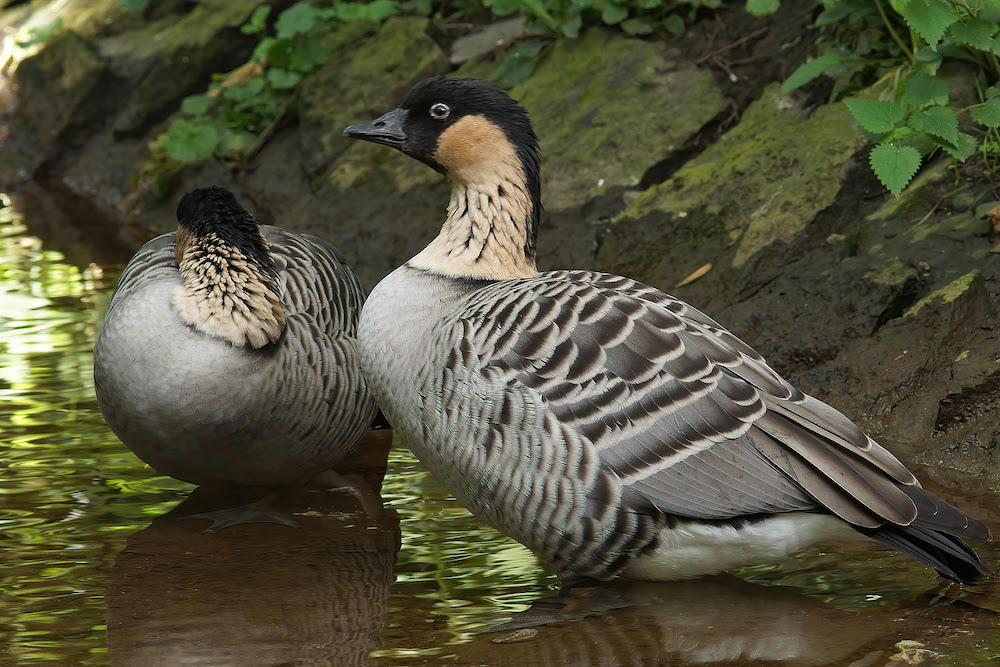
(691,420)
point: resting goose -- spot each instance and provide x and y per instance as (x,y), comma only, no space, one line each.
(609,427)
(228,353)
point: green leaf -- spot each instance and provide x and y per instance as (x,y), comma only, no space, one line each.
(191,140)
(257,22)
(875,115)
(518,64)
(974,32)
(300,17)
(762,8)
(282,79)
(503,7)
(989,113)
(674,24)
(939,121)
(196,105)
(613,14)
(922,88)
(894,165)
(930,18)
(809,70)
(961,149)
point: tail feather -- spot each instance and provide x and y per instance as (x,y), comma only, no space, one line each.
(947,554)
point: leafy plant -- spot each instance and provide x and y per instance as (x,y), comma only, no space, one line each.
(907,42)
(635,17)
(241,109)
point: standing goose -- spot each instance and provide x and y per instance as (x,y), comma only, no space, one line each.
(610,428)
(228,353)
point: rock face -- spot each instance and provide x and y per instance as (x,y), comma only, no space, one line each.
(654,166)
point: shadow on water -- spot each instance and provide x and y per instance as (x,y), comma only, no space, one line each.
(97,571)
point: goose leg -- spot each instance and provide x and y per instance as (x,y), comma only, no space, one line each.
(259,511)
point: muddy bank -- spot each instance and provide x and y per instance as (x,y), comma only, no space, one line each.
(662,157)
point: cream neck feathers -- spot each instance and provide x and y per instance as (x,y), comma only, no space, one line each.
(226,294)
(487,233)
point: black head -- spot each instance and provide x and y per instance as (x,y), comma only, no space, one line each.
(215,211)
(437,104)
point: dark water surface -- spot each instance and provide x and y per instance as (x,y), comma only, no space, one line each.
(93,573)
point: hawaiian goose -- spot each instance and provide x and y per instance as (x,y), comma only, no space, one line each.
(228,352)
(609,427)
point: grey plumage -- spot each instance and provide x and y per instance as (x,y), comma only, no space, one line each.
(200,407)
(597,420)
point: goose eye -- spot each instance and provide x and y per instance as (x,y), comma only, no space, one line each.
(440,111)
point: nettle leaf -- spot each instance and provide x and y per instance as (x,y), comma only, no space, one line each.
(922,88)
(939,121)
(989,113)
(191,140)
(975,32)
(300,17)
(762,8)
(930,18)
(809,70)
(875,115)
(894,165)
(962,148)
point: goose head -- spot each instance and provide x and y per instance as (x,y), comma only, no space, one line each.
(482,140)
(230,284)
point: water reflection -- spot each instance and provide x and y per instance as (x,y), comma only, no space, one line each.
(717,620)
(255,594)
(78,516)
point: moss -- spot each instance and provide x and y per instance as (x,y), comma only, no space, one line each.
(944,295)
(891,272)
(760,184)
(607,108)
(360,81)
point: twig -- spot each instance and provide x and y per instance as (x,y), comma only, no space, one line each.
(730,47)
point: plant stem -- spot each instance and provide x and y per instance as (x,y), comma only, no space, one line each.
(888,25)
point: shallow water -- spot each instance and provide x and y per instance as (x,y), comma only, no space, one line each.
(94,574)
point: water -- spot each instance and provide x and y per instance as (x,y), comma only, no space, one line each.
(93,572)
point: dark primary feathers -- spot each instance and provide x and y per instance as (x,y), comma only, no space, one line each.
(588,415)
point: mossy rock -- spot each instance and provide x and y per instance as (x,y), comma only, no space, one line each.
(759,184)
(363,78)
(174,57)
(606,109)
(53,87)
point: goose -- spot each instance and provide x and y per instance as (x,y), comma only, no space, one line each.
(612,429)
(228,354)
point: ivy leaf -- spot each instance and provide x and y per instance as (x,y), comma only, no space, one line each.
(989,113)
(196,105)
(922,88)
(809,70)
(191,140)
(257,22)
(282,79)
(875,115)
(613,14)
(300,17)
(939,121)
(894,165)
(930,18)
(762,8)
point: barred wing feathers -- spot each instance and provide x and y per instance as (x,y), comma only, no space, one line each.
(691,420)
